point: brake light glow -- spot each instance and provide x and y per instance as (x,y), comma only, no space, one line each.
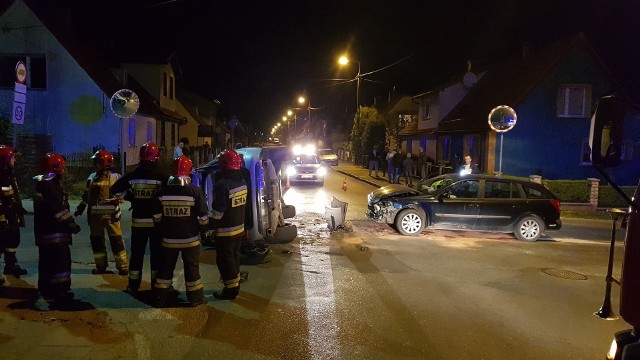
(556,204)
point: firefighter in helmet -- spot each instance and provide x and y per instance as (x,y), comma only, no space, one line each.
(139,187)
(180,213)
(228,215)
(53,226)
(11,214)
(104,213)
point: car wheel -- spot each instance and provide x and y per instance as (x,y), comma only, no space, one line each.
(284,234)
(410,222)
(529,228)
(288,211)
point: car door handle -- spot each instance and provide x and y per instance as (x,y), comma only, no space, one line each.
(472,205)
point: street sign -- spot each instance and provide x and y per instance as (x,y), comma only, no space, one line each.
(21,72)
(233,123)
(19,103)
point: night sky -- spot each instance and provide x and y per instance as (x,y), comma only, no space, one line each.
(257,57)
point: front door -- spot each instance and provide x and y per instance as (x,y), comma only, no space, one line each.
(458,206)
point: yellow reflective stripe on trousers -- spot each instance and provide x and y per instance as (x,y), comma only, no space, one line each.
(141,222)
(229,231)
(194,285)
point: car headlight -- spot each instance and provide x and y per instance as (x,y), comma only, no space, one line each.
(322,171)
(291,170)
(613,350)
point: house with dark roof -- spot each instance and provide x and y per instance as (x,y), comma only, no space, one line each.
(69,85)
(553,89)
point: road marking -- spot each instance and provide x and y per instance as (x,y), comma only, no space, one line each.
(317,275)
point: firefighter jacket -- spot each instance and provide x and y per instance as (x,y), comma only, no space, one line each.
(52,221)
(11,210)
(98,196)
(229,204)
(180,214)
(139,187)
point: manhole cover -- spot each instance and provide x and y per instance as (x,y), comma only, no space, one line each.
(564,274)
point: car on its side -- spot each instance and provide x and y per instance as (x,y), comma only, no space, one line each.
(328,157)
(468,202)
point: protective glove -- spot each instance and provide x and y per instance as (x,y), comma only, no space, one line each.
(75,228)
(80,209)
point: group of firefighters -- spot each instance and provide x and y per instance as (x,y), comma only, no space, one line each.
(168,214)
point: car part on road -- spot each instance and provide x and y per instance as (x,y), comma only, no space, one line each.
(529,228)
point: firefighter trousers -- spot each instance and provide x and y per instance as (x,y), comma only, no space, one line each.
(228,259)
(191,263)
(140,236)
(54,270)
(97,226)
(9,242)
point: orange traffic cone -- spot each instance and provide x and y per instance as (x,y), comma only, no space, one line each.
(344,184)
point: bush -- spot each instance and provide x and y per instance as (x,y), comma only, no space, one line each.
(609,197)
(570,190)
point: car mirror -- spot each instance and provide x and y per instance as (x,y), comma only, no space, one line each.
(605,135)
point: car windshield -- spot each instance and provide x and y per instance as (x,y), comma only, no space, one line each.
(429,186)
(305,159)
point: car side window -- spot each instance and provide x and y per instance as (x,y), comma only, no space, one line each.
(500,190)
(465,189)
(533,193)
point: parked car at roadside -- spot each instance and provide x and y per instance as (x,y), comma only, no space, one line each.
(328,157)
(468,202)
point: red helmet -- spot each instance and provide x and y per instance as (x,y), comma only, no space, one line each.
(103,159)
(52,163)
(149,151)
(6,154)
(230,160)
(182,166)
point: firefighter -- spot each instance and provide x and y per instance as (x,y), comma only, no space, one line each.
(104,213)
(138,187)
(228,214)
(11,214)
(53,226)
(180,213)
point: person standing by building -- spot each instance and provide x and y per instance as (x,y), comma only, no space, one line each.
(398,158)
(139,187)
(53,226)
(11,214)
(104,214)
(421,163)
(180,213)
(374,158)
(407,164)
(228,216)
(390,168)
(383,161)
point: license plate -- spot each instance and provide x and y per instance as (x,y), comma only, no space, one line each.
(306,176)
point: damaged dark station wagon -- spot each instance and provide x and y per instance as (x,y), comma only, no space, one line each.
(468,202)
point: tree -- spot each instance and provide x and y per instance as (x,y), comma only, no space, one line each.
(392,130)
(368,130)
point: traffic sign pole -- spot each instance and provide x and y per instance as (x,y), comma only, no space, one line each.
(19,99)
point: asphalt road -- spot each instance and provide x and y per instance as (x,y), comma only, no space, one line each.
(360,294)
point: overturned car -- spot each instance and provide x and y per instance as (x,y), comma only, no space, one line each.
(265,211)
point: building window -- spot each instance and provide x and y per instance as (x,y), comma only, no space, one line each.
(164,84)
(132,132)
(149,131)
(427,109)
(36,70)
(574,101)
(163,134)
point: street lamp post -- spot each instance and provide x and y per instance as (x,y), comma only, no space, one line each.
(302,100)
(343,60)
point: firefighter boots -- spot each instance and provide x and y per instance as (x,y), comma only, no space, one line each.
(227,293)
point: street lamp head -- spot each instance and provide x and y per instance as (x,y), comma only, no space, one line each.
(289,112)
(343,60)
(284,118)
(301,100)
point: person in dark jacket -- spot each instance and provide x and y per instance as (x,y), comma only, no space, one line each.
(180,213)
(398,157)
(53,225)
(228,215)
(407,165)
(11,214)
(138,187)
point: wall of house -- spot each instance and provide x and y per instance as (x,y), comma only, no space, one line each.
(542,143)
(73,109)
(136,131)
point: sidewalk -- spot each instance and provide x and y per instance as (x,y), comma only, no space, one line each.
(362,173)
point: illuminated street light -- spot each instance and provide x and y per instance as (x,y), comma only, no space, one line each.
(301,101)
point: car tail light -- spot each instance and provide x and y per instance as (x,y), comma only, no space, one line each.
(556,204)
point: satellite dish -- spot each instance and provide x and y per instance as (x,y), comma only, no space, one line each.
(469,79)
(124,103)
(502,118)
